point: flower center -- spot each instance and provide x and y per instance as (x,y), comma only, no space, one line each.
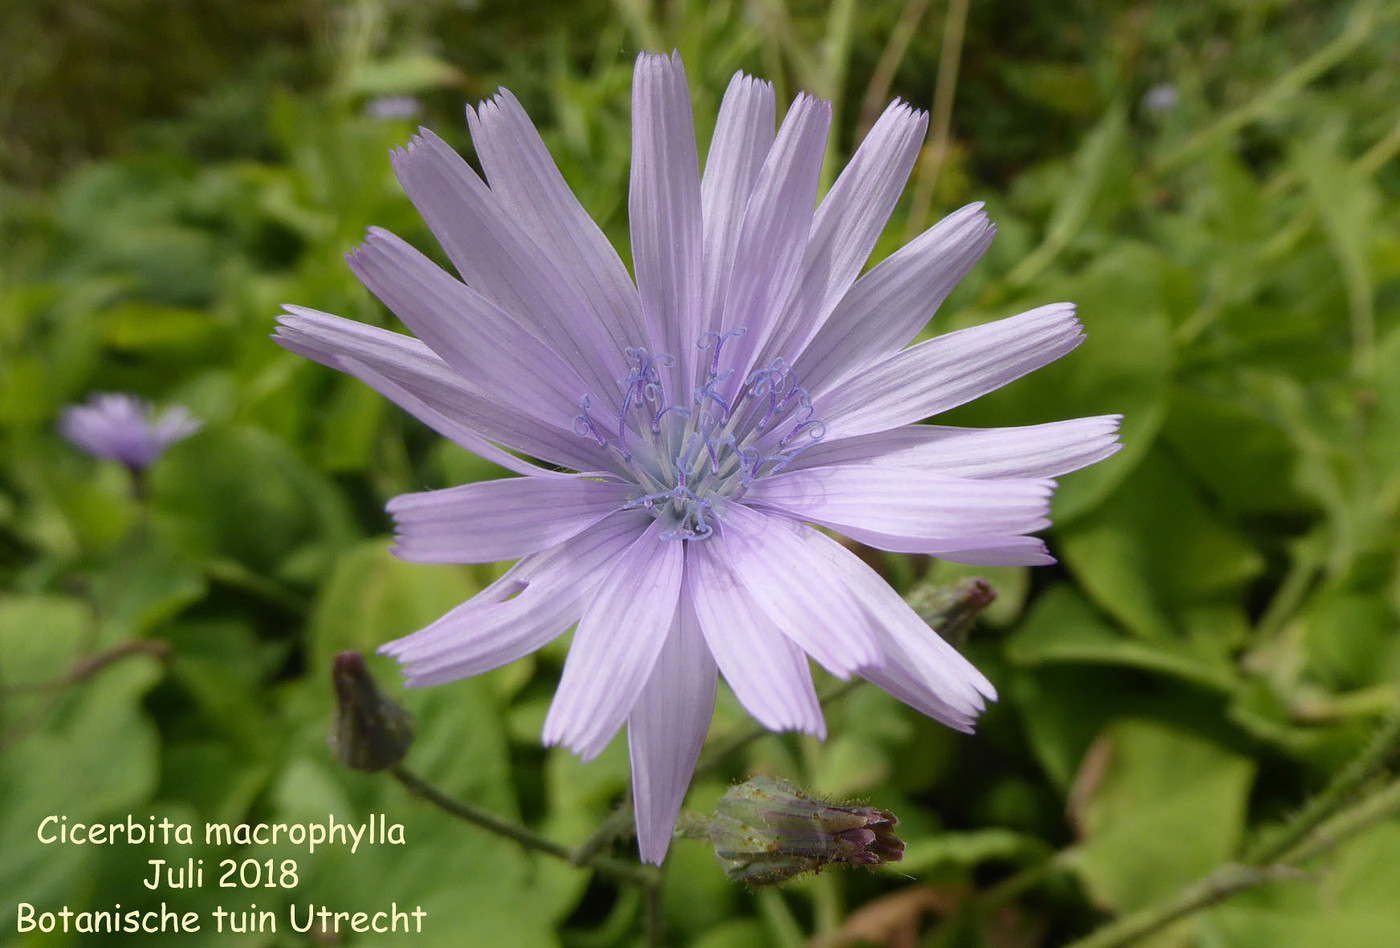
(714,444)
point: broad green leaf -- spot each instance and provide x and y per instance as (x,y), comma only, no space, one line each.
(1344,899)
(1350,640)
(237,493)
(1346,202)
(1224,440)
(351,423)
(1062,627)
(1122,367)
(1158,808)
(1156,550)
(1098,160)
(1382,447)
(91,758)
(372,597)
(41,637)
(148,587)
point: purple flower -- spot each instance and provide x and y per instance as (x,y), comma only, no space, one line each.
(125,428)
(749,384)
(393,107)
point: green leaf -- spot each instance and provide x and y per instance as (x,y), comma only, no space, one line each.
(1062,627)
(1158,808)
(967,851)
(1094,164)
(1156,551)
(141,327)
(41,637)
(351,424)
(1346,201)
(94,758)
(373,597)
(1225,441)
(1122,367)
(148,587)
(1350,640)
(1349,900)
(238,493)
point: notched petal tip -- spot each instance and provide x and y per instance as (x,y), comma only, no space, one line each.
(659,61)
(904,113)
(744,84)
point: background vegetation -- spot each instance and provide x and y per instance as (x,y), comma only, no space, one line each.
(1214,183)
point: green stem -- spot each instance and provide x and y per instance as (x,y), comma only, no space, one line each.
(1013,885)
(89,665)
(1315,829)
(618,823)
(53,688)
(839,33)
(652,919)
(714,755)
(877,92)
(613,868)
(1339,792)
(1374,808)
(1215,887)
(1358,29)
(945,87)
(1227,880)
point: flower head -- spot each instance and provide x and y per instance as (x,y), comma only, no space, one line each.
(767,831)
(749,383)
(125,428)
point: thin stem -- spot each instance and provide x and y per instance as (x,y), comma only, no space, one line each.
(637,15)
(652,917)
(85,668)
(1378,806)
(1227,880)
(839,33)
(716,753)
(613,868)
(1215,887)
(949,59)
(877,92)
(465,811)
(89,665)
(619,822)
(1317,828)
(235,574)
(1358,29)
(1384,746)
(1013,885)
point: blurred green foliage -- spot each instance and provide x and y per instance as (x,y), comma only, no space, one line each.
(1221,634)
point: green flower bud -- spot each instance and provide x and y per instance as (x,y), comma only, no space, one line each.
(951,608)
(767,831)
(372,731)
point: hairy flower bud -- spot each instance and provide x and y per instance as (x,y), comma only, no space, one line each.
(767,831)
(952,607)
(372,731)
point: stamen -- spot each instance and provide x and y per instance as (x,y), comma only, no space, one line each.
(583,425)
(712,449)
(656,422)
(719,344)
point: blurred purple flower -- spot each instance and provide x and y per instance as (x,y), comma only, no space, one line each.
(125,428)
(750,383)
(1161,98)
(390,107)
